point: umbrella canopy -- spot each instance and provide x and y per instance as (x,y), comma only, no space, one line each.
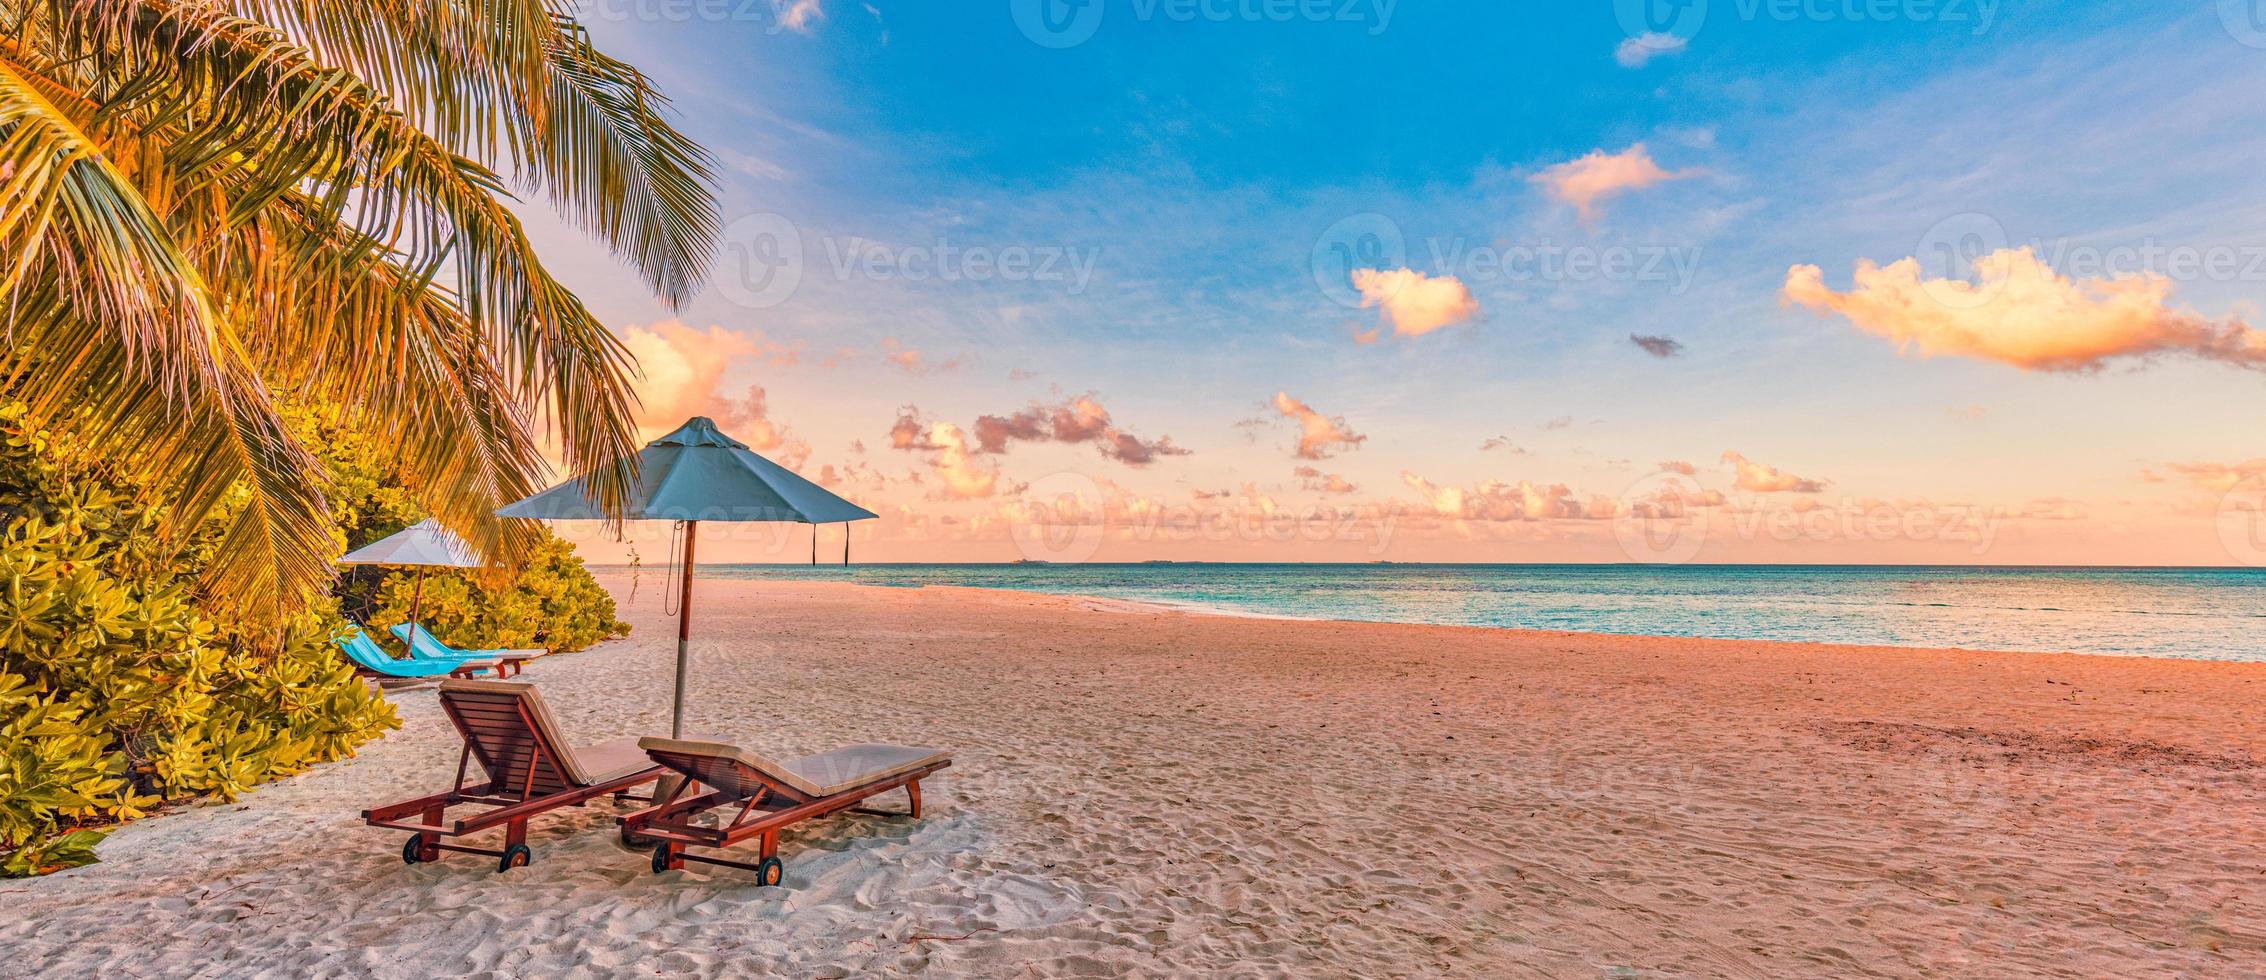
(696,474)
(423,544)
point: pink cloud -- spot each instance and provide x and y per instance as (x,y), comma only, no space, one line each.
(1412,303)
(1759,478)
(1318,435)
(1503,443)
(1075,420)
(1585,181)
(798,15)
(2019,311)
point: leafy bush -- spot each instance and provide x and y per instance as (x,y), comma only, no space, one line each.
(117,691)
(551,602)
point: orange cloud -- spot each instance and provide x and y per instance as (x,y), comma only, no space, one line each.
(1318,435)
(1597,175)
(1758,478)
(2220,477)
(1494,500)
(1674,500)
(679,370)
(2019,311)
(1314,479)
(954,461)
(913,361)
(1679,466)
(1412,303)
(2054,509)
(963,476)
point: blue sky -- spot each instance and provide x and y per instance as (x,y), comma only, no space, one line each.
(1176,175)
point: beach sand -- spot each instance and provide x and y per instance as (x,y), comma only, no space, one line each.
(1145,792)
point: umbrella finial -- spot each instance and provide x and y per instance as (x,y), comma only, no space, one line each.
(700,430)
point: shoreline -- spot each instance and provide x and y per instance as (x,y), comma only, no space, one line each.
(1191,608)
(1145,792)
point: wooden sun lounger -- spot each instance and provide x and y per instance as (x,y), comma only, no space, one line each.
(530,770)
(770,795)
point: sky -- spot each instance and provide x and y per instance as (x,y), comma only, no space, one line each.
(1832,281)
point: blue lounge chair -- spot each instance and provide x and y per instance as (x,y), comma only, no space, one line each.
(423,645)
(370,660)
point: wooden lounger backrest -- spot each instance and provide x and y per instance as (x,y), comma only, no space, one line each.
(736,781)
(507,729)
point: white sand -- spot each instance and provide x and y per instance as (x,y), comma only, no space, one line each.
(1151,793)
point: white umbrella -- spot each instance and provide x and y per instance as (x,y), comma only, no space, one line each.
(424,544)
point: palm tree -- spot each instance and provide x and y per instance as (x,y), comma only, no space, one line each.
(208,203)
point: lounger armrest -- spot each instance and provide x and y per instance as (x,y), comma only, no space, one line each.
(471,667)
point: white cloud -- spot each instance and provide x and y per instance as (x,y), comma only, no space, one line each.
(1636,51)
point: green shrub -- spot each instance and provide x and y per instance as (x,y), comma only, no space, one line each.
(117,691)
(550,602)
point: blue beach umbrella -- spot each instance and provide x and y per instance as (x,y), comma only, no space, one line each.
(697,474)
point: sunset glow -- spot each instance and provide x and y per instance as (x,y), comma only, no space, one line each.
(1865,317)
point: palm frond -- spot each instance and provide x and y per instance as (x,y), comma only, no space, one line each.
(520,81)
(112,331)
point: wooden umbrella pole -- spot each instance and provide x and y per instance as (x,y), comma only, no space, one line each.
(684,632)
(415,600)
(814,542)
(845,542)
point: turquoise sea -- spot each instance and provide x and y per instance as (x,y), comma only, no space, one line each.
(2217,614)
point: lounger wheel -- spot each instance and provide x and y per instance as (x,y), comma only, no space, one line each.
(770,871)
(413,849)
(633,840)
(515,856)
(660,857)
